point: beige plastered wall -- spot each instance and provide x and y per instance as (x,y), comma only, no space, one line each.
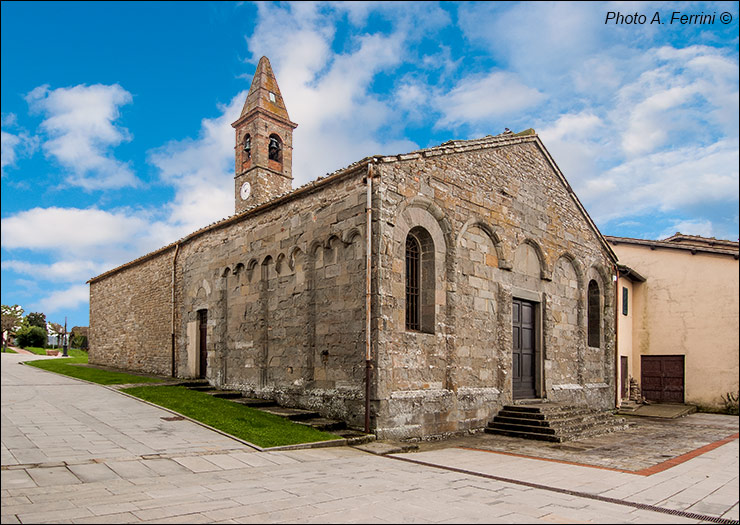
(624,331)
(687,306)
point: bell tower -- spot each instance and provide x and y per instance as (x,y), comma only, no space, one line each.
(264,143)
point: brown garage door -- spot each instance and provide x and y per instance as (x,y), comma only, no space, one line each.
(663,378)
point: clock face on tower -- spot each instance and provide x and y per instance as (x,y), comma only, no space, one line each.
(245,191)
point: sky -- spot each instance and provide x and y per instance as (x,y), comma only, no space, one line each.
(116,117)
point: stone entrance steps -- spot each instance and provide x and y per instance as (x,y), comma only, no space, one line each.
(297,415)
(553,422)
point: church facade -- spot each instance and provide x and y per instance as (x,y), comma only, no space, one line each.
(417,293)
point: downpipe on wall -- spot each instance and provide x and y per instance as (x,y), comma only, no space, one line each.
(174,267)
(616,337)
(368,292)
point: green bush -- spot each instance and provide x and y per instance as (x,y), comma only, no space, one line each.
(31,336)
(78,341)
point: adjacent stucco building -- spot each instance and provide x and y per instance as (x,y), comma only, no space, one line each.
(424,289)
(678,318)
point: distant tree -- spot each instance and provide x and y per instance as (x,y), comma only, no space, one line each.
(31,336)
(36,319)
(12,317)
(78,337)
(55,330)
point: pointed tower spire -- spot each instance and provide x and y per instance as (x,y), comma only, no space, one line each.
(264,94)
(264,143)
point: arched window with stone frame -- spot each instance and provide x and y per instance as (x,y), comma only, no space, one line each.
(594,314)
(420,281)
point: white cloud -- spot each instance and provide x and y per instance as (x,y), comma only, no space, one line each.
(684,94)
(69,298)
(81,131)
(498,94)
(579,144)
(60,271)
(201,171)
(14,145)
(330,95)
(689,227)
(544,44)
(8,145)
(65,228)
(689,177)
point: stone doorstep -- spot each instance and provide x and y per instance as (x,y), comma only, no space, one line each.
(192,383)
(524,435)
(293,414)
(547,408)
(555,438)
(355,437)
(577,428)
(597,418)
(297,415)
(225,394)
(553,422)
(543,416)
(254,402)
(322,423)
(382,448)
(201,388)
(667,411)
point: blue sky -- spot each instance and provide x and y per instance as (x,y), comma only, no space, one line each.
(116,135)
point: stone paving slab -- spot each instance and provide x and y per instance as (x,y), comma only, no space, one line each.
(162,484)
(647,443)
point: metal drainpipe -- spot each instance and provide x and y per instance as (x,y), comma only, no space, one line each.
(617,393)
(174,267)
(368,292)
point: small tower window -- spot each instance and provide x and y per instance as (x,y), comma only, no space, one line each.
(247,146)
(275,149)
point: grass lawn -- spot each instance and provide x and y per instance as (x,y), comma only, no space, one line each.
(69,366)
(41,351)
(249,424)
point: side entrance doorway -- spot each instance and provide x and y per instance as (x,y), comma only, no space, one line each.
(202,343)
(523,355)
(623,376)
(662,378)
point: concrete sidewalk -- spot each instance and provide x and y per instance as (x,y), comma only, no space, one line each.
(74,452)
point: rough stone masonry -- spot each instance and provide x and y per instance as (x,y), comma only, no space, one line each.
(512,286)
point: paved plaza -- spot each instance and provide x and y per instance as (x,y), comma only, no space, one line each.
(74,452)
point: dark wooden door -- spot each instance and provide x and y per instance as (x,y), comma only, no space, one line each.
(523,356)
(662,378)
(624,375)
(202,343)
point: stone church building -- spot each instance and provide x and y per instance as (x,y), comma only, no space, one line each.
(417,292)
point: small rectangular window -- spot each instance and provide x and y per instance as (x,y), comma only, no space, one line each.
(625,300)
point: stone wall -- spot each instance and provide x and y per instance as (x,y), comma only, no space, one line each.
(284,291)
(504,226)
(131,316)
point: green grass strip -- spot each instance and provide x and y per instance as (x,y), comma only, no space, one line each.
(70,366)
(40,351)
(249,424)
